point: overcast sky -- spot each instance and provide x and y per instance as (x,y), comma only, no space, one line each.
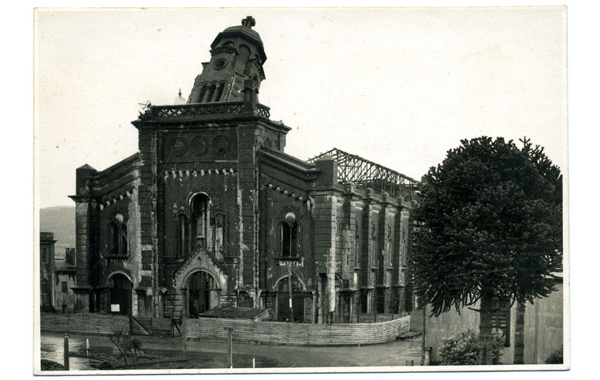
(396,86)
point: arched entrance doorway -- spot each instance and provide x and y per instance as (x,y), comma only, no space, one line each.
(284,312)
(202,293)
(120,294)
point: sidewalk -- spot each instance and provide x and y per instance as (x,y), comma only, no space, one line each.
(389,354)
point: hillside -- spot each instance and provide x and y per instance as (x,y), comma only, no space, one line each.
(61,221)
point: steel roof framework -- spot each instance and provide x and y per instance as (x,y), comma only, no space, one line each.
(364,173)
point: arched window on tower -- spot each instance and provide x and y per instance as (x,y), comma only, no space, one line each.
(201,221)
(202,93)
(219,92)
(211,93)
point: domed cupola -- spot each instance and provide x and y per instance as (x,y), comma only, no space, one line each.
(237,58)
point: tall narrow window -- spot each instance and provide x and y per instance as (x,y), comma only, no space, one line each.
(356,245)
(289,240)
(289,235)
(118,236)
(211,93)
(202,93)
(218,230)
(219,92)
(182,236)
(114,239)
(201,223)
(123,246)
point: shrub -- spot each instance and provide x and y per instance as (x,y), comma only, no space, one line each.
(463,349)
(556,357)
(126,345)
(136,346)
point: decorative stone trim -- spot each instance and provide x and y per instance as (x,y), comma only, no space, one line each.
(285,191)
(223,49)
(175,174)
(105,202)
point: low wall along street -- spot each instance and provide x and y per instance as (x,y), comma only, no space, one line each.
(243,331)
(100,324)
(295,333)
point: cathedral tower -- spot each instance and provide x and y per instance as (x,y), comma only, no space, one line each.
(237,58)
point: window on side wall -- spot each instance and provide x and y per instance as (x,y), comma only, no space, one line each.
(289,236)
(118,237)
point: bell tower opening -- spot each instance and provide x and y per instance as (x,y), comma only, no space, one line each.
(235,66)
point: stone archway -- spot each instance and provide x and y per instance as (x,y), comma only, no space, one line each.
(120,293)
(202,293)
(284,312)
(200,260)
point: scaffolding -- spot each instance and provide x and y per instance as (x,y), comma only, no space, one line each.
(367,174)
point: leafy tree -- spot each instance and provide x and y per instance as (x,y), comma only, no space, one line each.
(488,227)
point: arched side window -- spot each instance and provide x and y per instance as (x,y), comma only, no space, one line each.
(123,246)
(289,233)
(119,244)
(289,240)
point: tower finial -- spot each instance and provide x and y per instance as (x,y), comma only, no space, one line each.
(249,22)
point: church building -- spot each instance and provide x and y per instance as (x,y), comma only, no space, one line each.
(211,212)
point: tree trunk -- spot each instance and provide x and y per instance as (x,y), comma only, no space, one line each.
(424,342)
(519,357)
(485,329)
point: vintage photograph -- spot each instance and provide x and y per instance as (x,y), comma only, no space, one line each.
(306,190)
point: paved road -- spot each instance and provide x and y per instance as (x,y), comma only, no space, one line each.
(389,354)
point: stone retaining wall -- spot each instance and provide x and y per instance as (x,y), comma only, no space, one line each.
(295,333)
(243,331)
(100,324)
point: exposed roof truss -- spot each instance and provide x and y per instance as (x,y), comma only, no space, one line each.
(367,174)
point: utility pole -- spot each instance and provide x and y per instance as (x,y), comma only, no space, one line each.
(290,293)
(424,345)
(230,336)
(66,353)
